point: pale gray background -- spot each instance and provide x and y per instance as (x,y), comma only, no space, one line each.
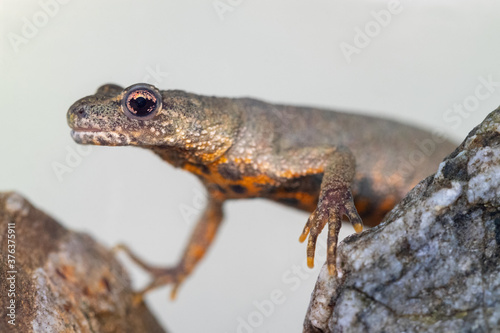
(428,58)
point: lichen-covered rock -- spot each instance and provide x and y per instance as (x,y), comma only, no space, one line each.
(433,265)
(56,280)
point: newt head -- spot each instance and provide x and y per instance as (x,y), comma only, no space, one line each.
(142,115)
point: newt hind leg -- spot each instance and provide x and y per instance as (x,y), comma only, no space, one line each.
(198,244)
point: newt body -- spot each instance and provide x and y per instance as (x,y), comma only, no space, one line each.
(330,164)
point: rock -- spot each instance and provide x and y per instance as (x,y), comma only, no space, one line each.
(56,280)
(433,265)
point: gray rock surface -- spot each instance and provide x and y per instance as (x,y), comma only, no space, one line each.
(433,265)
(56,280)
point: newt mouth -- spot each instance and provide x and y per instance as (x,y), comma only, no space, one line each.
(82,129)
(91,136)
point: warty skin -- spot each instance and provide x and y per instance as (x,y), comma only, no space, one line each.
(331,164)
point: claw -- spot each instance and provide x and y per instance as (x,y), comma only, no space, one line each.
(137,298)
(352,214)
(358,227)
(175,287)
(173,293)
(303,237)
(310,262)
(117,248)
(311,248)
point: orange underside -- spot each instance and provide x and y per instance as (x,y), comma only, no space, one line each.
(253,187)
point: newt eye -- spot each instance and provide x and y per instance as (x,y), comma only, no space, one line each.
(141,101)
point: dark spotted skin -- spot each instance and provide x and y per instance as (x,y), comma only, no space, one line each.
(330,164)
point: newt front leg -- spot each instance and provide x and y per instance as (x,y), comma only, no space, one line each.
(337,166)
(335,201)
(198,244)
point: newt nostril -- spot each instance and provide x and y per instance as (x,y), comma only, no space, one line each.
(80,112)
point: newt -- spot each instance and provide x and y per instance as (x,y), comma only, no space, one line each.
(330,164)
